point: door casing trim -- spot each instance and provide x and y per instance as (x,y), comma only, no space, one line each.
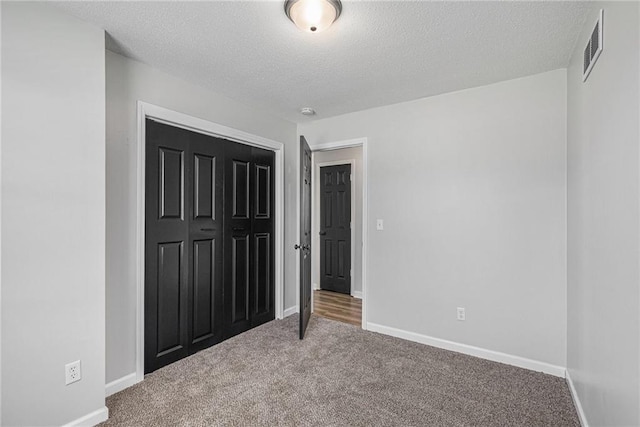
(315,208)
(174,118)
(357,142)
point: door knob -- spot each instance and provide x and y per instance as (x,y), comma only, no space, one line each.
(323,233)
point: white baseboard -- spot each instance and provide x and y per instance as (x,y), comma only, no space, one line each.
(357,294)
(91,419)
(483,353)
(291,310)
(120,384)
(576,401)
(315,287)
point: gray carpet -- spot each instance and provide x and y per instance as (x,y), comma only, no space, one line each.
(339,375)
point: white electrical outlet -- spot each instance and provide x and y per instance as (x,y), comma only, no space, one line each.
(380,224)
(461,314)
(72,372)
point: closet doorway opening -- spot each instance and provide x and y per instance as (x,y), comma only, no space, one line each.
(269,206)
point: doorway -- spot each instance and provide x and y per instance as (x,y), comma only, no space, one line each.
(335,225)
(337,230)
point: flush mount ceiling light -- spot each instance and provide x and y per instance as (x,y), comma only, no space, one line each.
(313,16)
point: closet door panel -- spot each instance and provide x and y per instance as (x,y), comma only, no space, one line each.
(170,264)
(263,178)
(237,226)
(262,273)
(206,231)
(204,258)
(240,189)
(204,188)
(262,231)
(167,250)
(239,279)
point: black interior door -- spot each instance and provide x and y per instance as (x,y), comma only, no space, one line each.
(335,228)
(262,273)
(167,245)
(210,248)
(238,239)
(206,232)
(305,235)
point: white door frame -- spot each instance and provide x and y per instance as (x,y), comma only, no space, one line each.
(358,142)
(184,121)
(315,223)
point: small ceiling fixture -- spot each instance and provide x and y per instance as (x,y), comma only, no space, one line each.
(307,111)
(313,16)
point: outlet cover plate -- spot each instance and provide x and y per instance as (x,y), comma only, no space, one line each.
(72,372)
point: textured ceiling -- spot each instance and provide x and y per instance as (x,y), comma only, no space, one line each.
(377,53)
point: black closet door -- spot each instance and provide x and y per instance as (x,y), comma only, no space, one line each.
(209,267)
(206,230)
(262,236)
(167,245)
(237,239)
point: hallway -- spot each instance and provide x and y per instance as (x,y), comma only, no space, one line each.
(336,306)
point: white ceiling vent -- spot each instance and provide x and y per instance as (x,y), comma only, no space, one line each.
(594,47)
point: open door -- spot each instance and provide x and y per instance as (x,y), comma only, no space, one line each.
(305,235)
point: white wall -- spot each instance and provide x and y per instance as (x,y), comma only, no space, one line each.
(0,228)
(471,186)
(53,215)
(127,82)
(345,154)
(603,214)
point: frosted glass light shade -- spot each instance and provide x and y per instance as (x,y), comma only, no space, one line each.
(313,16)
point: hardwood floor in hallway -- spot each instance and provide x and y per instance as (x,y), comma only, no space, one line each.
(337,306)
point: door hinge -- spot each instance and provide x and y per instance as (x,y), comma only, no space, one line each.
(350,177)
